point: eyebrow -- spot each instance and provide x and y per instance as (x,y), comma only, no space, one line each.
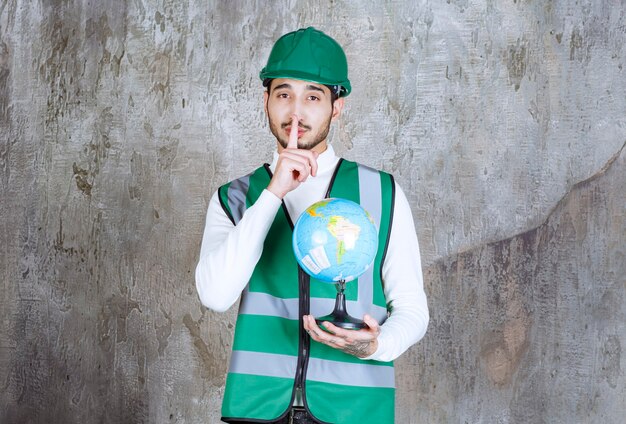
(314,87)
(288,86)
(283,85)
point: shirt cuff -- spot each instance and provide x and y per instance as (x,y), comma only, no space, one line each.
(382,347)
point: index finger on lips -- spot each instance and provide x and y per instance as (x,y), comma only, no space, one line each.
(293,134)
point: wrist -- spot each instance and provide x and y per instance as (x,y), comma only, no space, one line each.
(276,191)
(371,349)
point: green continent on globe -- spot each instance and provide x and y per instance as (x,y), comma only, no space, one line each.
(313,209)
(346,233)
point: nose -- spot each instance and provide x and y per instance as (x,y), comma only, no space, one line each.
(292,117)
(296,110)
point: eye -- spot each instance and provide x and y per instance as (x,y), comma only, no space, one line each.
(313,98)
(282,95)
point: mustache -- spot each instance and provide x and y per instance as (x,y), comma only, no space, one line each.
(300,125)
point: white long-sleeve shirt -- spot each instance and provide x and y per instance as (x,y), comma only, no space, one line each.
(230,253)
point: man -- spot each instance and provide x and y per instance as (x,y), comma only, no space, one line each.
(284,368)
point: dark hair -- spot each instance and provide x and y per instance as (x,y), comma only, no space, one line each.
(334,89)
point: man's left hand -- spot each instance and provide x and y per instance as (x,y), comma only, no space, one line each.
(360,343)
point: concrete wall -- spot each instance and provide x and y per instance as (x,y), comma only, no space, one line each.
(504,121)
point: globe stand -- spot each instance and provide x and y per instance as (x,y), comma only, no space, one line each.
(340,316)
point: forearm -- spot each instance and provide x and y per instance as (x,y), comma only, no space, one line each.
(403,286)
(230,253)
(405,326)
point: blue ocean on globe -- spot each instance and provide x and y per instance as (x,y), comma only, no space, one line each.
(335,239)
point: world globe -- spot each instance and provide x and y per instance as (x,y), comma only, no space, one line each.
(335,240)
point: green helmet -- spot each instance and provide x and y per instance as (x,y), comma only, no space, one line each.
(309,55)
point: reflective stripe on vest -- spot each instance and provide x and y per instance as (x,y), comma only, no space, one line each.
(265,353)
(256,303)
(335,372)
(237,197)
(232,196)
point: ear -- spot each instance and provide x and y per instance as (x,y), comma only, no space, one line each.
(337,108)
(266,97)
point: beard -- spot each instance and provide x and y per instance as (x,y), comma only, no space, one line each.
(278,130)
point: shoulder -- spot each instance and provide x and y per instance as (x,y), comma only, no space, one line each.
(364,168)
(395,192)
(237,195)
(245,179)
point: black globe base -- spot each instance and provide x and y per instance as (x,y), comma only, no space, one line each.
(340,317)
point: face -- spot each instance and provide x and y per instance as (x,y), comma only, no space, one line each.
(311,102)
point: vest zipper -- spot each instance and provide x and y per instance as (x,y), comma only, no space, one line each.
(304,280)
(303,351)
(304,304)
(303,309)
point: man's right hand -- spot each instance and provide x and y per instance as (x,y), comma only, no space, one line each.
(294,165)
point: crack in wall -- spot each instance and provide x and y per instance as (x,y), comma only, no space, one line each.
(602,171)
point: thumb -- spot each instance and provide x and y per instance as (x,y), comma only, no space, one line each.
(371,323)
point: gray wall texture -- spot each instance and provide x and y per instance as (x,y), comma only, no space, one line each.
(504,122)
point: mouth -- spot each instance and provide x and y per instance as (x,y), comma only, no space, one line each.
(301,129)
